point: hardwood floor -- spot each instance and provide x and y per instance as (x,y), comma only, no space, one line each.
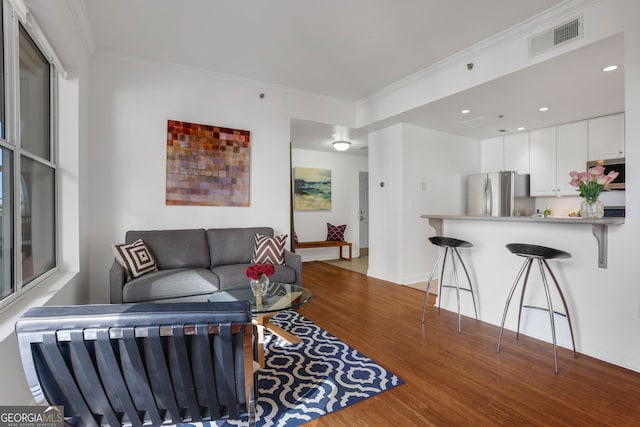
(359,265)
(456,379)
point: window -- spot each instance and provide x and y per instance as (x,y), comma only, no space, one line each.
(35,95)
(37,175)
(2,69)
(27,159)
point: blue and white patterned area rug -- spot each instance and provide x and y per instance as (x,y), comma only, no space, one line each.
(301,382)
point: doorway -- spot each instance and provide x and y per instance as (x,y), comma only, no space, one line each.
(361,263)
(363,207)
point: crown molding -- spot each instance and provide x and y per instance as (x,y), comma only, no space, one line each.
(259,84)
(81,20)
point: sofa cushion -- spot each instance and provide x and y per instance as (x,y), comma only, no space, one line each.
(269,250)
(175,248)
(173,283)
(233,245)
(135,258)
(236,274)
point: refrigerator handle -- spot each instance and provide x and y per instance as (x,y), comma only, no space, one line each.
(487,197)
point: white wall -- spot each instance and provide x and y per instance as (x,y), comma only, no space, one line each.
(423,171)
(385,203)
(131,101)
(435,165)
(312,225)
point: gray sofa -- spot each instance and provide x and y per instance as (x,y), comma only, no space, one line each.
(194,263)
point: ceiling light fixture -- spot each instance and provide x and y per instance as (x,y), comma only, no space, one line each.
(521,128)
(543,109)
(465,111)
(341,145)
(610,68)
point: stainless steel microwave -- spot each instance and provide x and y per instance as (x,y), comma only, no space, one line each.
(611,165)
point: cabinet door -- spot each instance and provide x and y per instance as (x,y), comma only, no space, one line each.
(543,161)
(571,152)
(491,155)
(516,152)
(606,137)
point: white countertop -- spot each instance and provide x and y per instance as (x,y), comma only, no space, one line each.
(598,226)
(549,219)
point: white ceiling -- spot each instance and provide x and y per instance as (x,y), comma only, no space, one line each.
(342,48)
(350,49)
(573,87)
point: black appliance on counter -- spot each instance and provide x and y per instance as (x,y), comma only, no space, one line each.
(611,165)
(614,211)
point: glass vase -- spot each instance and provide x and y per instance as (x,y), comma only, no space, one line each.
(261,285)
(592,209)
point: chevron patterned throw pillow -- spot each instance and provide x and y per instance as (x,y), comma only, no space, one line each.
(269,250)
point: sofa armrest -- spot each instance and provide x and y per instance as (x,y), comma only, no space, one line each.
(117,280)
(294,261)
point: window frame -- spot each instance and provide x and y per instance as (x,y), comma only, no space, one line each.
(12,21)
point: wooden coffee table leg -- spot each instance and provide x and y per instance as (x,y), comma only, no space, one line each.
(262,322)
(260,341)
(287,336)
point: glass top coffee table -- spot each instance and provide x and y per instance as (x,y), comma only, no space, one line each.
(277,297)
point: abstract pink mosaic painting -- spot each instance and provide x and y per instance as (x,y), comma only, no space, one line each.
(207,165)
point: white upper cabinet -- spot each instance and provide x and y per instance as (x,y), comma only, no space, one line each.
(492,155)
(543,162)
(516,152)
(555,152)
(606,137)
(571,152)
(509,153)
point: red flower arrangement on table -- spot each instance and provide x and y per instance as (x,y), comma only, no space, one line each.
(256,271)
(259,275)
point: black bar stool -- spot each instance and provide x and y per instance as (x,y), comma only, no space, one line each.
(541,254)
(446,244)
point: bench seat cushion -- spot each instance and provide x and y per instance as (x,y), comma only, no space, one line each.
(168,284)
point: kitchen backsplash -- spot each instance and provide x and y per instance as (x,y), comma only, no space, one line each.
(561,206)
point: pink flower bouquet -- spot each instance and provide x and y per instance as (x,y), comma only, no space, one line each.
(592,182)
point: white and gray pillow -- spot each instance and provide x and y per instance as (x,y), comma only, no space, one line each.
(136,258)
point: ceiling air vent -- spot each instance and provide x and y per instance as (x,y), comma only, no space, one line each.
(557,36)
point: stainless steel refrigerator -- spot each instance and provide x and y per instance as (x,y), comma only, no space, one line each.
(499,194)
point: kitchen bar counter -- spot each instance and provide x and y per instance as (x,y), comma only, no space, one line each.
(599,227)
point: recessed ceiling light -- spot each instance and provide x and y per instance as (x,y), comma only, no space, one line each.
(465,111)
(610,68)
(543,109)
(521,128)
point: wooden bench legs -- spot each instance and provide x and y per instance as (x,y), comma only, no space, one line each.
(328,244)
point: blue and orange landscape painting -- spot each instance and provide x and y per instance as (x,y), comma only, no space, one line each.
(312,189)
